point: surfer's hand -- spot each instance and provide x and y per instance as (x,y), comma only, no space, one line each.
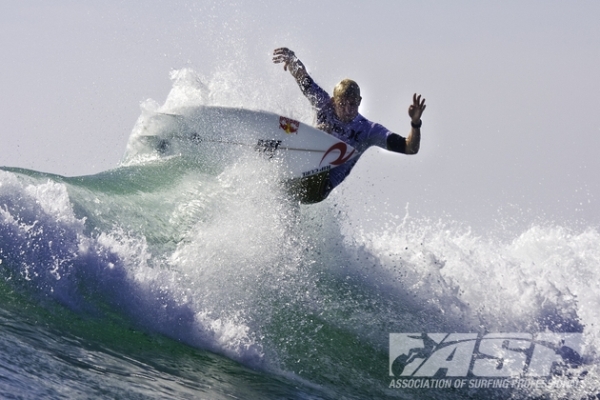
(290,63)
(285,56)
(416,109)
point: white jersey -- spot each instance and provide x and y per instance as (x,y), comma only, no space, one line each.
(360,133)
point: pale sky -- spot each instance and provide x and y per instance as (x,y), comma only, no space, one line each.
(511,129)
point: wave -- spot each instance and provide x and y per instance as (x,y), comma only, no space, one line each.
(223,260)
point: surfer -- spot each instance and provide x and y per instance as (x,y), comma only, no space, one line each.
(338,116)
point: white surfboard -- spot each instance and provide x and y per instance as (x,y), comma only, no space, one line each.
(302,150)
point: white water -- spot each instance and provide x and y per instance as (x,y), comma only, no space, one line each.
(226,263)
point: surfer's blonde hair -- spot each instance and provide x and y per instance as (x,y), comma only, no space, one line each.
(347,89)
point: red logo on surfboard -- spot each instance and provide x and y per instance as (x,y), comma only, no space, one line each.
(288,125)
(342,157)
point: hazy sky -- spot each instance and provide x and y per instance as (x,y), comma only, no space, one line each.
(512,125)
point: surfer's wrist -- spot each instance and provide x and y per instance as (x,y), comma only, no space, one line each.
(295,65)
(416,125)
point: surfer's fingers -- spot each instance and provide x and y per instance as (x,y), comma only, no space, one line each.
(283,52)
(286,63)
(279,58)
(417,101)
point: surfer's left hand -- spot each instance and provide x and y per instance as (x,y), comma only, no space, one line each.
(416,109)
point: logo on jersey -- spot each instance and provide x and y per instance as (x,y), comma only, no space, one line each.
(289,125)
(342,157)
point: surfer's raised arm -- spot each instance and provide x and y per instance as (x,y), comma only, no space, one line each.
(413,141)
(290,63)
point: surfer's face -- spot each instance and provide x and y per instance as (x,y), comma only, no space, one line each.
(346,108)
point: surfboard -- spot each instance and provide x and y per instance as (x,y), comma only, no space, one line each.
(304,153)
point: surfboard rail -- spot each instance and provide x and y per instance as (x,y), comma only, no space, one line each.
(302,150)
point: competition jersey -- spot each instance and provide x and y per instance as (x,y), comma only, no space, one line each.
(360,133)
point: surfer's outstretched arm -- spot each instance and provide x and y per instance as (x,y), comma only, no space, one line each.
(415,111)
(290,62)
(411,144)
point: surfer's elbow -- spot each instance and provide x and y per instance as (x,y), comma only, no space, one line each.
(398,144)
(412,150)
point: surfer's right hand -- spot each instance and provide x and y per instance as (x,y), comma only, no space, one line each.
(285,56)
(290,63)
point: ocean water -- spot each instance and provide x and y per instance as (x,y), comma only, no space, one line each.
(186,277)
